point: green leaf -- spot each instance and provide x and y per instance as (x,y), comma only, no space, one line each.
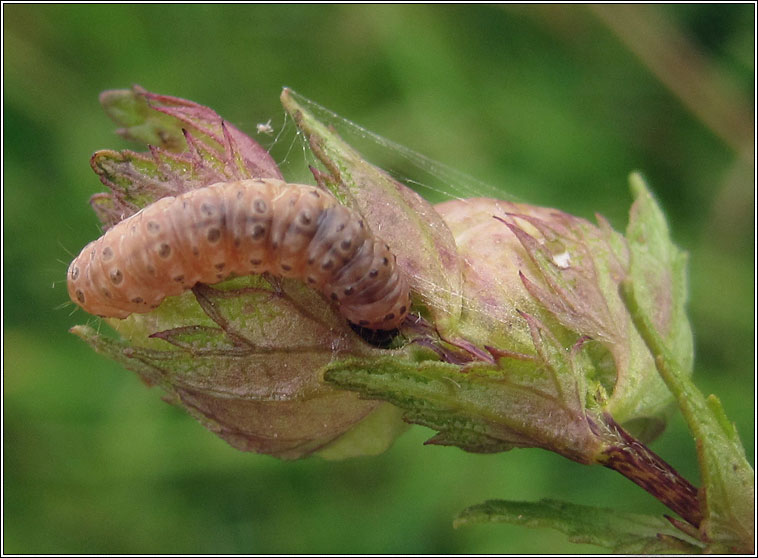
(624,533)
(658,269)
(727,494)
(248,400)
(246,337)
(481,408)
(415,232)
(140,122)
(190,146)
(176,124)
(372,436)
(244,358)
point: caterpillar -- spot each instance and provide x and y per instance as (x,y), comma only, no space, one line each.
(241,228)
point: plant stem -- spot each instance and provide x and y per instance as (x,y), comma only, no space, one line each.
(638,463)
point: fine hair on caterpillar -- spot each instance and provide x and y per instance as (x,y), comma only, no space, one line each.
(241,228)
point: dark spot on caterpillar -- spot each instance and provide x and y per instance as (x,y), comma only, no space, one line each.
(151,270)
(207,209)
(179,278)
(75,273)
(116,276)
(195,251)
(164,251)
(334,297)
(346,244)
(237,241)
(328,264)
(315,193)
(256,262)
(388,317)
(138,300)
(258,232)
(240,194)
(220,266)
(373,273)
(341,227)
(80,296)
(106,293)
(153,227)
(403,309)
(385,261)
(107,253)
(363,322)
(350,290)
(305,217)
(311,280)
(214,235)
(260,206)
(286,267)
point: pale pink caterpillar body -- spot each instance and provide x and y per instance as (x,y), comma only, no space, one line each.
(241,228)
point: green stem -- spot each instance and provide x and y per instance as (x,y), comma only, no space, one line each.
(690,399)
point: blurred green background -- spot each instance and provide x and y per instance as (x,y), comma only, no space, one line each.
(554,105)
